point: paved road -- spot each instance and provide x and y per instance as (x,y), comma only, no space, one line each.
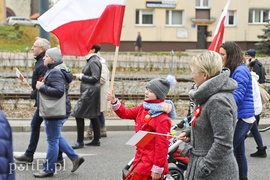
(105,162)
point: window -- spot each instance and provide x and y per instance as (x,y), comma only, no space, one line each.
(144,17)
(202,3)
(230,21)
(174,17)
(258,16)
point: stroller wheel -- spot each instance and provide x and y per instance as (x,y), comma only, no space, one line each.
(176,173)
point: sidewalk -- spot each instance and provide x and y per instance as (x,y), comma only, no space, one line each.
(19,125)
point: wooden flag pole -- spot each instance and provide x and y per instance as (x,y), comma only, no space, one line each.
(114,67)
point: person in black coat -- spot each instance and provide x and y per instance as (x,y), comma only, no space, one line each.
(88,105)
(7,168)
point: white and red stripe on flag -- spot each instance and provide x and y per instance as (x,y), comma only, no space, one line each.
(141,138)
(218,37)
(19,74)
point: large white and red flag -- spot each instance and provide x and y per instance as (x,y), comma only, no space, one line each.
(79,24)
(141,138)
(219,32)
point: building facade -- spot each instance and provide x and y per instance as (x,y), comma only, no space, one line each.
(179,24)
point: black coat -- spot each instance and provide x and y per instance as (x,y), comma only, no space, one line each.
(88,105)
(38,73)
(56,82)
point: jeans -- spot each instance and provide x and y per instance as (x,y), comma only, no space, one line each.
(101,119)
(240,132)
(256,134)
(56,142)
(35,131)
(34,138)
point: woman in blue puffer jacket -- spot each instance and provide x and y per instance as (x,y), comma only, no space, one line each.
(233,59)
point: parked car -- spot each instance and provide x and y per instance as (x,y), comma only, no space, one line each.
(15,20)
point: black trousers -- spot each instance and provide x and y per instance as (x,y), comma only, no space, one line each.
(80,129)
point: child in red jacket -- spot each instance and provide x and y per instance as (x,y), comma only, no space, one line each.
(152,115)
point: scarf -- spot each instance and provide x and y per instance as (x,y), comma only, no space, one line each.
(157,107)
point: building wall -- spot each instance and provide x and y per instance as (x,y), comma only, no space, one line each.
(160,37)
(20,7)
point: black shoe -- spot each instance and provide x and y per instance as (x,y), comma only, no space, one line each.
(42,174)
(93,143)
(261,153)
(76,163)
(24,158)
(78,145)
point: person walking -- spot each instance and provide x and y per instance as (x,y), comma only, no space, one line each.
(39,49)
(152,115)
(56,84)
(261,152)
(210,137)
(88,105)
(233,59)
(257,66)
(7,168)
(138,45)
(104,89)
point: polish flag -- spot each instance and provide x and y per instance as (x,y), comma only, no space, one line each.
(79,24)
(219,32)
(141,138)
(19,74)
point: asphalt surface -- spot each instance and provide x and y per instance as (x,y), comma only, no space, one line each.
(112,124)
(106,162)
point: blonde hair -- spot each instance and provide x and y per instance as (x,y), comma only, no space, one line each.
(208,62)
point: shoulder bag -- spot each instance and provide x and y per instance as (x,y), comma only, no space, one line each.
(52,107)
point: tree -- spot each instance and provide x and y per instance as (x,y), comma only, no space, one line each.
(264,45)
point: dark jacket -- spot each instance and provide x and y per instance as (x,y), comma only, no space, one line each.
(258,68)
(6,150)
(38,73)
(88,105)
(58,78)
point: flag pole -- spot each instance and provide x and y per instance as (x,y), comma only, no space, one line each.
(114,67)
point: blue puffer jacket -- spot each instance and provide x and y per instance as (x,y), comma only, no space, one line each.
(7,171)
(243,93)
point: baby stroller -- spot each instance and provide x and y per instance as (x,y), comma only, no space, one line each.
(177,163)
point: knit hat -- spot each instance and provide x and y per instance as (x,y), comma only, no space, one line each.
(161,86)
(55,54)
(251,52)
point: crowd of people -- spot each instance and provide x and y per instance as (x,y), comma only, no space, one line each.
(226,98)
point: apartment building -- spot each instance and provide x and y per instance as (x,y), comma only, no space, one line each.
(185,24)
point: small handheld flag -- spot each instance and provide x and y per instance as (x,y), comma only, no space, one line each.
(20,76)
(141,138)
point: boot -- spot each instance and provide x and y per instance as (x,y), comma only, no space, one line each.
(88,134)
(260,153)
(103,132)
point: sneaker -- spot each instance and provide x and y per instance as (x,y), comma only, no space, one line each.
(24,158)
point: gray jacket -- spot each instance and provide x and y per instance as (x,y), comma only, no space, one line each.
(211,145)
